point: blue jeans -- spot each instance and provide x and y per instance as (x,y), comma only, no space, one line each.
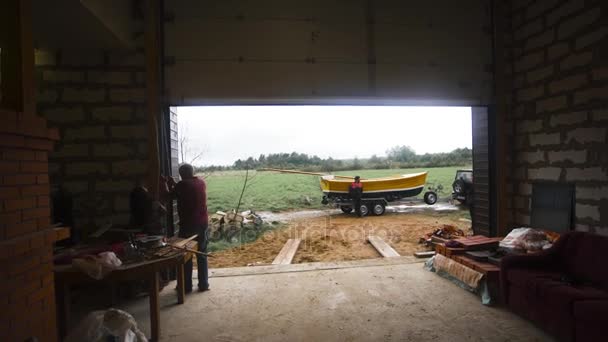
(201,260)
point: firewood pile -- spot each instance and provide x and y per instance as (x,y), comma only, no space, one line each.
(225,225)
(445,233)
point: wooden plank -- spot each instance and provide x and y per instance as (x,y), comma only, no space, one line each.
(154,307)
(477,242)
(287,253)
(382,247)
(438,239)
(61,233)
(181,290)
(424,254)
(501,83)
(17,62)
(440,248)
(479,266)
(181,242)
(153,90)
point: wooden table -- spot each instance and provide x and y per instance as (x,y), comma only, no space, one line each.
(66,276)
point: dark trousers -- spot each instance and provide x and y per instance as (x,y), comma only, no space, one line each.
(357,205)
(201,260)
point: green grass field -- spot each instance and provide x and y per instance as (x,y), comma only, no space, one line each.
(277,192)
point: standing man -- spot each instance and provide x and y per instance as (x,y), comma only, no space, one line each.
(191,195)
(356,191)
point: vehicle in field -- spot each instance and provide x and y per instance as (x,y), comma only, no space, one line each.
(377,192)
(463,186)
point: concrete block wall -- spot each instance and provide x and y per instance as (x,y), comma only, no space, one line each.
(96,99)
(27,292)
(557,68)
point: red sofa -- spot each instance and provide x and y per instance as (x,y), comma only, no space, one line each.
(563,289)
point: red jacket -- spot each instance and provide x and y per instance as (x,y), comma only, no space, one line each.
(191,195)
(355,189)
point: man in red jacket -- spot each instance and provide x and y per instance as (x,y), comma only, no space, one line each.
(191,195)
(356,191)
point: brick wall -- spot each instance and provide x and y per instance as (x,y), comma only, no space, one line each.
(96,100)
(27,298)
(557,67)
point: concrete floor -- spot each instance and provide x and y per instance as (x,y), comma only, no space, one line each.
(370,301)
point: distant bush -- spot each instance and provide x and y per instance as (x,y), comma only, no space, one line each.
(396,158)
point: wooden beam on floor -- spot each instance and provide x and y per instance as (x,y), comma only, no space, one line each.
(287,253)
(424,254)
(382,247)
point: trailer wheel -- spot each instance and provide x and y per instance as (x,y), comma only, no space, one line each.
(364,209)
(346,210)
(430,197)
(378,208)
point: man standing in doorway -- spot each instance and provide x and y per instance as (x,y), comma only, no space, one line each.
(356,191)
(191,195)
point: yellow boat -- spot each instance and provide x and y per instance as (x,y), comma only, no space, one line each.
(389,188)
(377,192)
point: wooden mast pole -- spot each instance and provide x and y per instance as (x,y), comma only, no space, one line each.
(297,172)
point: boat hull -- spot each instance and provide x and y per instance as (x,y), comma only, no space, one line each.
(390,188)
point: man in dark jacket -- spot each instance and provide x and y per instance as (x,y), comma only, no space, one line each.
(356,191)
(191,195)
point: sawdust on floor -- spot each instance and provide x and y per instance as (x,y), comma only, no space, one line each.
(339,237)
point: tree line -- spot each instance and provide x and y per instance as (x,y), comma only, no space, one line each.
(396,157)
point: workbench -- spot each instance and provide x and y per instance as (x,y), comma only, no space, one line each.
(68,276)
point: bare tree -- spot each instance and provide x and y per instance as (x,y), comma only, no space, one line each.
(187,153)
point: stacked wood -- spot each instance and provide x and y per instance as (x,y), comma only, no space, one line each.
(228,224)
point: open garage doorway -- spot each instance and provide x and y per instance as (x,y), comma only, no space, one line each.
(255,211)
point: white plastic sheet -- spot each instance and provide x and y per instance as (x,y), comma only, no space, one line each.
(100,326)
(528,239)
(98,266)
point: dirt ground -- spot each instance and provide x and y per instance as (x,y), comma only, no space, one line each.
(340,237)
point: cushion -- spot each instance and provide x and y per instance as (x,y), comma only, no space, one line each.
(524,277)
(585,256)
(591,310)
(557,295)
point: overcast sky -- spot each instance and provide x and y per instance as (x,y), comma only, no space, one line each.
(227,133)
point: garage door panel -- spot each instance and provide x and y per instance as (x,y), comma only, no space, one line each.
(339,42)
(430,82)
(237,80)
(277,40)
(340,80)
(273,40)
(403,44)
(436,13)
(258,10)
(262,80)
(246,9)
(434,51)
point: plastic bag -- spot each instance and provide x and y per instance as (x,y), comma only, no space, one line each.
(98,266)
(109,260)
(121,324)
(98,326)
(528,239)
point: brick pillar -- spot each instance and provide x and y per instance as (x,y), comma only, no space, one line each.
(27,292)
